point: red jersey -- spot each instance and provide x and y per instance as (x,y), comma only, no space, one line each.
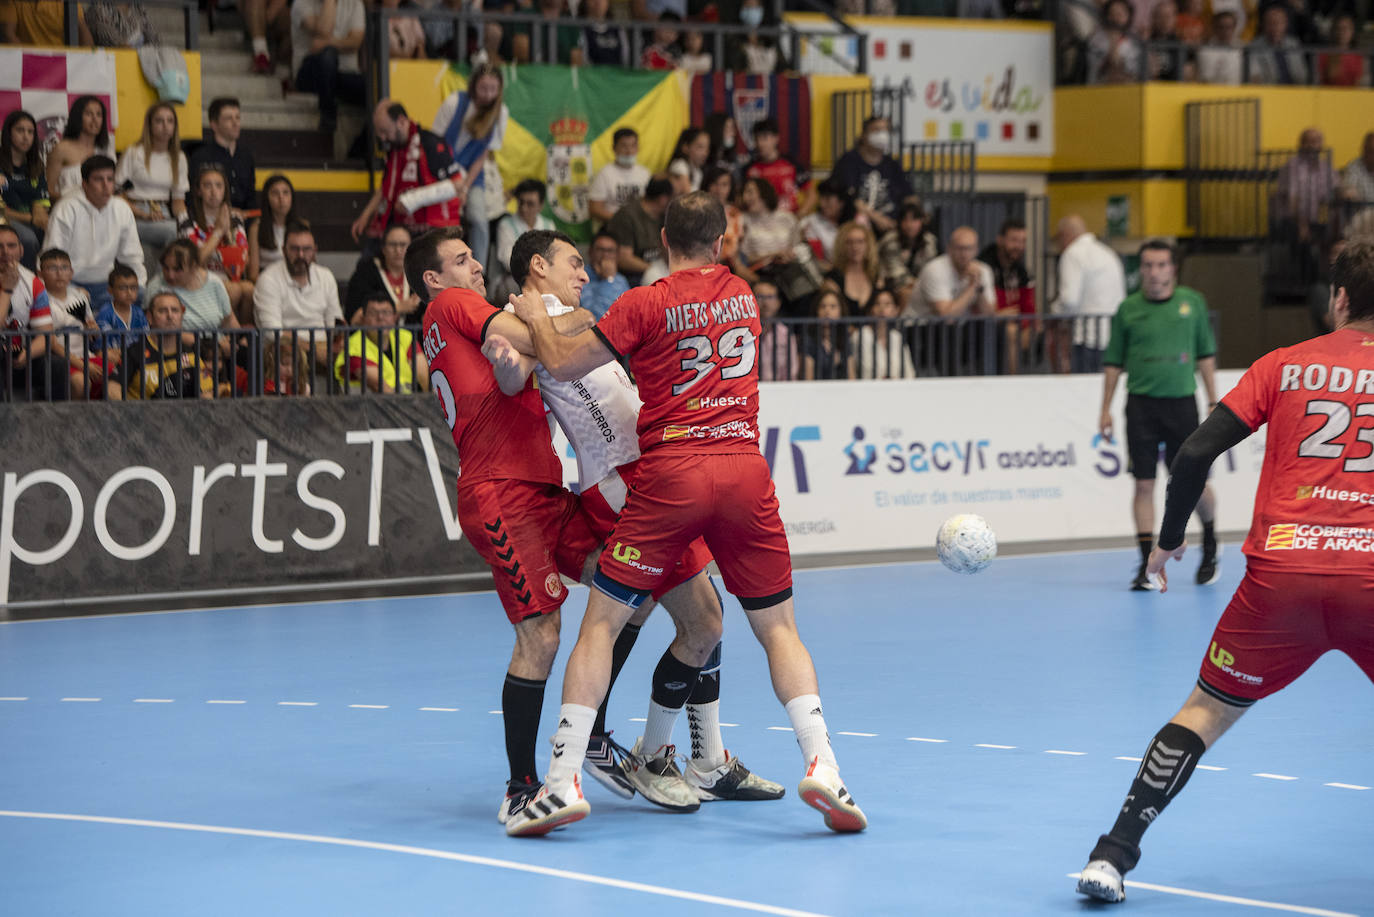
(498,436)
(690,339)
(1314,509)
(423,160)
(785,178)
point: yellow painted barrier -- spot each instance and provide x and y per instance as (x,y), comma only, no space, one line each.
(133,95)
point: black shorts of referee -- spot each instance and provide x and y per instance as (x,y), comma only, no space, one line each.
(1151,422)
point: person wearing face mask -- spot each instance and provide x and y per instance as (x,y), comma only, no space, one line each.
(874,179)
(754,53)
(620,180)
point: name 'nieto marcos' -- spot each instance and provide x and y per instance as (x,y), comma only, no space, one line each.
(699,314)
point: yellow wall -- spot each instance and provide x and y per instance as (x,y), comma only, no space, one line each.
(415,84)
(133,95)
(822,89)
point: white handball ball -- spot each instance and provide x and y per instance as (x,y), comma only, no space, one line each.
(966,544)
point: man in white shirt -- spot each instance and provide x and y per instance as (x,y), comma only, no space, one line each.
(952,286)
(1219,61)
(325,38)
(298,293)
(620,180)
(96,229)
(1092,283)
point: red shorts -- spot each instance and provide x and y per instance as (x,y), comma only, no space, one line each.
(603,502)
(528,534)
(1279,623)
(94,390)
(726,499)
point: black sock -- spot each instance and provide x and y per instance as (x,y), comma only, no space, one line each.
(1146,542)
(521,700)
(1209,538)
(623,644)
(707,689)
(1164,771)
(674,681)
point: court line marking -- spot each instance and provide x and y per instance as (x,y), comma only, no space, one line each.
(779,728)
(153,700)
(297,703)
(496,712)
(660,890)
(866,735)
(920,739)
(988,745)
(1057,751)
(226,701)
(13,698)
(728,724)
(1230,899)
(1346,786)
(370,706)
(441,709)
(1209,767)
(1132,760)
(80,700)
(1273,776)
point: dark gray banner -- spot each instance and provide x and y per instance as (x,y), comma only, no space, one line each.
(155,498)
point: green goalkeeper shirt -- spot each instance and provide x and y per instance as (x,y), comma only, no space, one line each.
(1158,343)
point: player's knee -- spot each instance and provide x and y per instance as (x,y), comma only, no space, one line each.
(1145,487)
(536,640)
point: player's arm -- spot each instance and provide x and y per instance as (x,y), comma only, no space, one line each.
(510,366)
(1188,474)
(1207,369)
(1110,376)
(565,357)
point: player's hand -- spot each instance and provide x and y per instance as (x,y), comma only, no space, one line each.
(1104,426)
(529,306)
(1155,565)
(500,352)
(359,227)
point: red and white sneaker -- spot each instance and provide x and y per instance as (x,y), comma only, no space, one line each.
(823,789)
(552,807)
(261,63)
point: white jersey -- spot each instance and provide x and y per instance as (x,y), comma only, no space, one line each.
(598,414)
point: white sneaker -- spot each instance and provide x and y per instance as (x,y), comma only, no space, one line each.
(732,780)
(1101,880)
(823,789)
(551,807)
(517,795)
(658,780)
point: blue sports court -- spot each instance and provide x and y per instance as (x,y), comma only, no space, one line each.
(346,758)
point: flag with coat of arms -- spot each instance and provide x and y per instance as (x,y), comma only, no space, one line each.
(46,83)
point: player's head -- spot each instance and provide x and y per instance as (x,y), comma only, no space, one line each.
(440,260)
(1352,283)
(546,261)
(693,227)
(1158,269)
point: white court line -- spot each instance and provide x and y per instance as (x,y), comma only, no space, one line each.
(496,712)
(1346,786)
(919,739)
(370,706)
(428,852)
(13,698)
(441,709)
(80,700)
(297,703)
(728,724)
(1274,776)
(986,745)
(638,719)
(1231,899)
(1209,767)
(780,728)
(1128,758)
(153,700)
(1056,751)
(226,701)
(866,735)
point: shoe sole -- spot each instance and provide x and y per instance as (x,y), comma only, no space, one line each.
(670,806)
(706,795)
(538,827)
(1100,891)
(1215,576)
(838,816)
(623,790)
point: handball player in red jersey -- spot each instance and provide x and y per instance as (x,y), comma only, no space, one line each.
(691,342)
(1309,575)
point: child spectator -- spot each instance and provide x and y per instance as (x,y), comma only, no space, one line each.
(72,315)
(695,58)
(792,184)
(662,53)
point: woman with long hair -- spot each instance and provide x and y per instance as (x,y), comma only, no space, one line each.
(26,187)
(203,293)
(385,274)
(906,248)
(87,133)
(827,351)
(691,155)
(220,238)
(720,184)
(881,351)
(155,168)
(267,233)
(473,122)
(855,275)
(727,147)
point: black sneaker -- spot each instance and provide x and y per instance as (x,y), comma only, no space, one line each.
(1142,581)
(1209,571)
(604,763)
(518,795)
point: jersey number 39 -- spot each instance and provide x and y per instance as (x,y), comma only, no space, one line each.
(736,344)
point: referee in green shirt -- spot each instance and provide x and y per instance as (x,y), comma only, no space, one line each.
(1161,337)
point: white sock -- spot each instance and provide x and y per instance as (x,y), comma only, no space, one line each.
(570,742)
(804,711)
(259,46)
(658,727)
(708,751)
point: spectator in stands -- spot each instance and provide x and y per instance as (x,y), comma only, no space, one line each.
(298,293)
(906,248)
(40,22)
(1221,60)
(119,25)
(793,185)
(1358,181)
(720,184)
(1276,56)
(1172,63)
(819,228)
(202,293)
(874,179)
(1191,22)
(1302,25)
(662,52)
(120,313)
(755,53)
(96,229)
(267,233)
(880,347)
(473,123)
(223,148)
(559,41)
(637,229)
(406,37)
(24,183)
(1114,50)
(1345,67)
(690,158)
(777,348)
(72,316)
(1303,197)
(160,364)
(384,275)
(619,180)
(325,38)
(1092,283)
(768,238)
(282,375)
(86,134)
(605,282)
(35,371)
(266,20)
(220,237)
(857,272)
(155,179)
(695,58)
(1014,285)
(530,196)
(386,359)
(827,349)
(728,150)
(422,186)
(603,43)
(952,286)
